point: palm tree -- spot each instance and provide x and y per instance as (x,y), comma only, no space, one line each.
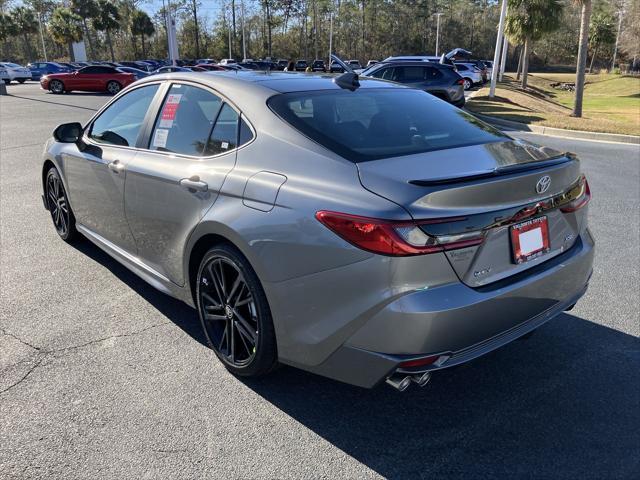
(141,25)
(26,24)
(87,10)
(528,21)
(601,33)
(65,28)
(583,47)
(108,19)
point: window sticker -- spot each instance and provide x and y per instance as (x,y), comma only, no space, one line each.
(169,111)
(224,145)
(160,138)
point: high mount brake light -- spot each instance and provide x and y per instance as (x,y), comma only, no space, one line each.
(394,238)
(581,200)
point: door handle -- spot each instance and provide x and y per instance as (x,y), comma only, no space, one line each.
(194,183)
(116,166)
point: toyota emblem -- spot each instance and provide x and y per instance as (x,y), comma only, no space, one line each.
(543,184)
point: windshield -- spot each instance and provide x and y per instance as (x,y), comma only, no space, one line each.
(371,124)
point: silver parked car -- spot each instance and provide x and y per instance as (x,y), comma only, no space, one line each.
(358,229)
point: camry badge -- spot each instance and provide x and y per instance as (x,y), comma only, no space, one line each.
(543,184)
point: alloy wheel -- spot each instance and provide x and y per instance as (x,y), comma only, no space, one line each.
(56,86)
(228,311)
(467,84)
(113,87)
(58,206)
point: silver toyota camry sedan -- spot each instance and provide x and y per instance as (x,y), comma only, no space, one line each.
(354,228)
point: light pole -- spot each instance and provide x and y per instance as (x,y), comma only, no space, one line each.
(496,53)
(244,41)
(503,60)
(438,15)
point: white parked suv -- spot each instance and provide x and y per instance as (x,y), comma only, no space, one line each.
(470,74)
(16,72)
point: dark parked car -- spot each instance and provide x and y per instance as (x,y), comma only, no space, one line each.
(70,66)
(139,65)
(134,71)
(171,69)
(318,66)
(336,68)
(301,65)
(439,80)
(282,64)
(38,69)
(210,68)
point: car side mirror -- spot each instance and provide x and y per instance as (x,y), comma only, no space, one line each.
(68,132)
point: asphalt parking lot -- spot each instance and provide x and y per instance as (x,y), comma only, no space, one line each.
(103,377)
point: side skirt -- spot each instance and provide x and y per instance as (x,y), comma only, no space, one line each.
(137,266)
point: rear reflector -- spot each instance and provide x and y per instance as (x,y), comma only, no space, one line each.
(419,362)
(583,197)
(393,238)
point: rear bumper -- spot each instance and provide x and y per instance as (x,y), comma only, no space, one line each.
(459,322)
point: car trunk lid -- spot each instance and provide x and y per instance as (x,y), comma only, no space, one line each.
(482,190)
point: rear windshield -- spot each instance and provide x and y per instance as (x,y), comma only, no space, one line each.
(370,124)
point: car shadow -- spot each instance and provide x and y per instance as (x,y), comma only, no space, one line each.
(561,404)
(184,316)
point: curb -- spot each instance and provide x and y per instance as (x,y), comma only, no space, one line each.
(558,132)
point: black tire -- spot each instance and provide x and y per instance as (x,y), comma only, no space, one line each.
(58,205)
(56,86)
(22,80)
(113,87)
(7,81)
(460,103)
(468,83)
(230,298)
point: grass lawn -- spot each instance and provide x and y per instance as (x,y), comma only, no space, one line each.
(611,103)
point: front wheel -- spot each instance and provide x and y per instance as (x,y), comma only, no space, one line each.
(113,87)
(234,313)
(58,206)
(56,86)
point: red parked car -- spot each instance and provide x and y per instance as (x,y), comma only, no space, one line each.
(95,78)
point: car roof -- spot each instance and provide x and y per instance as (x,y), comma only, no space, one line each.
(412,63)
(263,82)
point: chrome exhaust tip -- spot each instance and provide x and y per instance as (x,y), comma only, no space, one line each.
(421,378)
(400,383)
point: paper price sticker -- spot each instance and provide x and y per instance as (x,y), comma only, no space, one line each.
(174,98)
(160,138)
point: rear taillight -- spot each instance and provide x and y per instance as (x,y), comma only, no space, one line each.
(394,238)
(460,81)
(582,197)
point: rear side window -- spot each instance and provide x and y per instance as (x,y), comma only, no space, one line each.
(383,73)
(185,121)
(371,124)
(120,123)
(224,136)
(431,73)
(409,74)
